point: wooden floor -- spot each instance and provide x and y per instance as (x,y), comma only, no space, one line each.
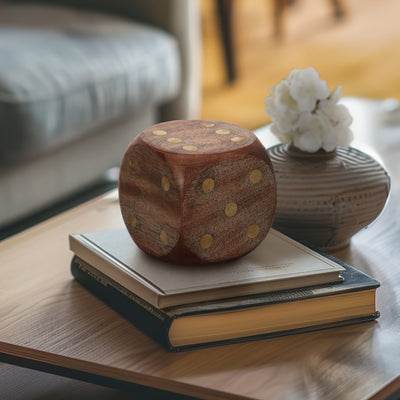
(361,53)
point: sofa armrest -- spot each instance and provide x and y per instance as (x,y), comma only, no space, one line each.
(185,24)
(182,18)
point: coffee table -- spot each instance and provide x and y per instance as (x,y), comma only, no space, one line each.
(49,322)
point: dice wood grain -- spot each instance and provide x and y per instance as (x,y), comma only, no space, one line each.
(197,192)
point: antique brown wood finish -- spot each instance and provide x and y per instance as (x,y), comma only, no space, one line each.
(197,192)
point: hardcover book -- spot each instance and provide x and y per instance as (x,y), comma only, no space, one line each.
(278,263)
(239,319)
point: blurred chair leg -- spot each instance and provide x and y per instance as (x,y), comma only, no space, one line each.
(279,6)
(225,7)
(338,9)
(225,20)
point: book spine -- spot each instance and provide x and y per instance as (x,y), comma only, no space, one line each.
(143,315)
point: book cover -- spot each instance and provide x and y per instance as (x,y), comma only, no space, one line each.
(239,319)
(278,263)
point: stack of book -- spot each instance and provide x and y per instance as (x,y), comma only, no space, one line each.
(282,287)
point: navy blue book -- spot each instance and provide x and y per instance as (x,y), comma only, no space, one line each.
(239,319)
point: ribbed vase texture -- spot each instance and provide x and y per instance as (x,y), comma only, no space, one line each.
(323,198)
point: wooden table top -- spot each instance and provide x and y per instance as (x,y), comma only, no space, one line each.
(48,321)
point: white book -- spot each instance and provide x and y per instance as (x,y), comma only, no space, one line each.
(278,263)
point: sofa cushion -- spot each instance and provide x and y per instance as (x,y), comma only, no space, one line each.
(64,72)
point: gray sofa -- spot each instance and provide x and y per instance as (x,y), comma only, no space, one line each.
(77,84)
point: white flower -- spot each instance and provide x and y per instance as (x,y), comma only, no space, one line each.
(305,112)
(306,88)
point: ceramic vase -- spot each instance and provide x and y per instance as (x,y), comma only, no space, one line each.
(324,198)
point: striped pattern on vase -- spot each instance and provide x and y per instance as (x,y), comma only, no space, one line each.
(324,198)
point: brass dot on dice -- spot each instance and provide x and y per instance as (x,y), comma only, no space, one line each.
(190,148)
(255,176)
(164,237)
(132,220)
(174,140)
(237,139)
(231,209)
(133,165)
(207,124)
(165,183)
(208,185)
(206,241)
(253,231)
(159,132)
(222,131)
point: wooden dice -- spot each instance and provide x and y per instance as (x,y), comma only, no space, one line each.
(197,192)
